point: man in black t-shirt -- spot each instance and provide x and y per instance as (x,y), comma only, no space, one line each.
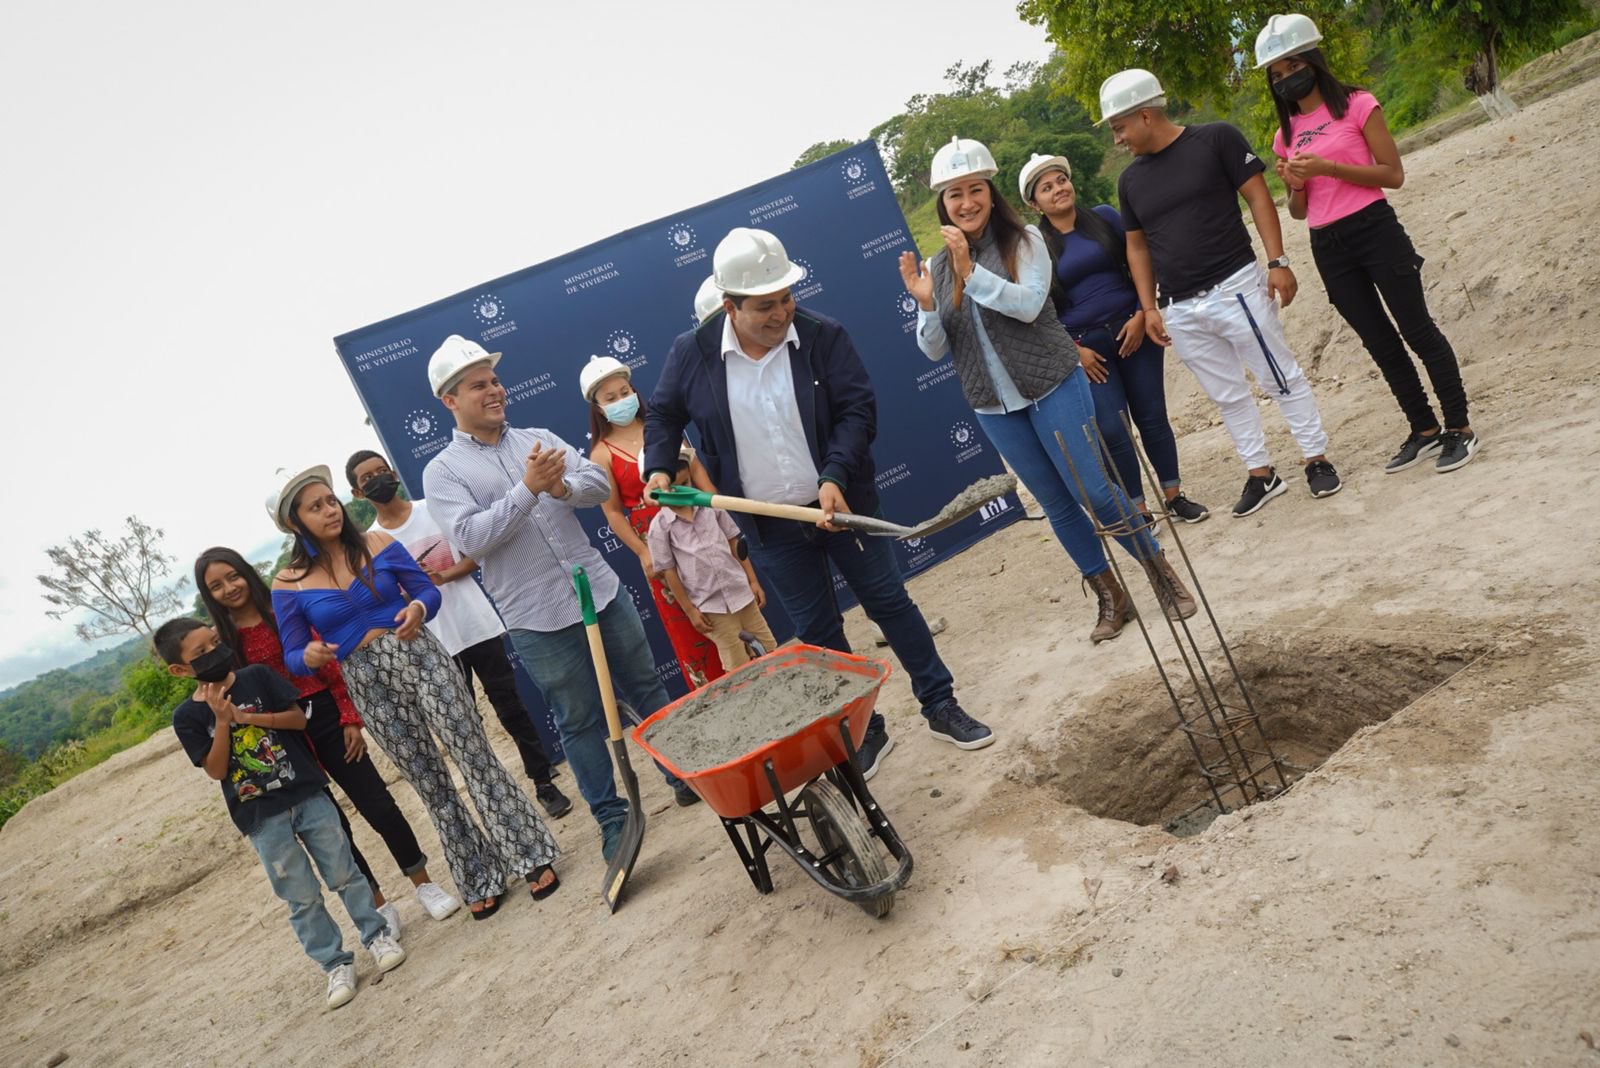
(246,729)
(1180,205)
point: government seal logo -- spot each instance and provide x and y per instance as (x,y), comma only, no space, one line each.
(487,308)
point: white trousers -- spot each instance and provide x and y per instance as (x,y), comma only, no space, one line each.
(1233,328)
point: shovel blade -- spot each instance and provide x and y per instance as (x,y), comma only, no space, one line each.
(627,854)
(868,524)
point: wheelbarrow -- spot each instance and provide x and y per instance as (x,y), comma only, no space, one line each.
(832,826)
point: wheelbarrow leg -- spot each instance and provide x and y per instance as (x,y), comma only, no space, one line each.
(753,858)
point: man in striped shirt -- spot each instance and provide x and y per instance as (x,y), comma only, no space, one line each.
(508,497)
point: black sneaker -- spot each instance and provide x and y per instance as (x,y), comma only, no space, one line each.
(874,747)
(554,801)
(1456,449)
(1258,490)
(1187,510)
(1415,450)
(684,796)
(950,723)
(1322,478)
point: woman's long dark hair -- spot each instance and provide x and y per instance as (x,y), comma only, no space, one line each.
(1335,94)
(600,426)
(221,618)
(1004,222)
(1092,225)
(351,538)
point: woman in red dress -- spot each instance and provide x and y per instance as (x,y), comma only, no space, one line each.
(616,434)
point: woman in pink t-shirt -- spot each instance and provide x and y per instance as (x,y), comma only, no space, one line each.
(1337,157)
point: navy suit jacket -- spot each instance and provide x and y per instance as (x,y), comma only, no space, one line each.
(838,410)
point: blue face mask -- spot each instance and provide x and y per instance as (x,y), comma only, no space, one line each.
(622,412)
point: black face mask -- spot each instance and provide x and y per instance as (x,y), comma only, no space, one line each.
(213,666)
(1295,87)
(380,489)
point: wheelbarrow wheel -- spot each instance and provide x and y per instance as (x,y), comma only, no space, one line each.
(843,836)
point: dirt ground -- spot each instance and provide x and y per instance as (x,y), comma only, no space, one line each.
(1430,895)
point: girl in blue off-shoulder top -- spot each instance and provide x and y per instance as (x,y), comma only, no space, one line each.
(368,599)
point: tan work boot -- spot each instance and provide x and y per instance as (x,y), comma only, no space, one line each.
(1175,600)
(1115,607)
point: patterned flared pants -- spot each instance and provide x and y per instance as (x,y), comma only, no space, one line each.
(408,692)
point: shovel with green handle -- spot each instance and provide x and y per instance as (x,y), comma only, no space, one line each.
(622,861)
(964,505)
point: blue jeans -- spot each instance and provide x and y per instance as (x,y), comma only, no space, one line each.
(559,662)
(793,560)
(283,842)
(1027,439)
(1134,383)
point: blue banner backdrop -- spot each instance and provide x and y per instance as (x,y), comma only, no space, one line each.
(630,295)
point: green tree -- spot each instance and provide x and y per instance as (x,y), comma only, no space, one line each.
(114,579)
(1477,32)
(820,150)
(1203,51)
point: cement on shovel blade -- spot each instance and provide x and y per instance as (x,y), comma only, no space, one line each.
(964,504)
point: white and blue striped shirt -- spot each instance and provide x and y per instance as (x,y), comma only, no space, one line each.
(527,546)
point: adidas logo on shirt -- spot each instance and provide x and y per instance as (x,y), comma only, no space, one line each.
(1249,158)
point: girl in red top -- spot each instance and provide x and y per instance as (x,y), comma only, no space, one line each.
(617,433)
(240,605)
(1337,157)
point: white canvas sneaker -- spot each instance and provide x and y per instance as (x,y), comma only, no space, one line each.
(391,919)
(386,952)
(341,985)
(436,900)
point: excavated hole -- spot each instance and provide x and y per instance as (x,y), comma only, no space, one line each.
(1124,757)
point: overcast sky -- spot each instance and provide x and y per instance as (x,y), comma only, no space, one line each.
(199,196)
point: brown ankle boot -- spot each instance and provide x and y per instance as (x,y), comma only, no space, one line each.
(1114,606)
(1175,600)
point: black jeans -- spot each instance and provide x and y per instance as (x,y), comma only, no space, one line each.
(1367,261)
(488,661)
(363,786)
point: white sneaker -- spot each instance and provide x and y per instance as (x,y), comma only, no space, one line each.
(341,985)
(386,952)
(391,919)
(436,900)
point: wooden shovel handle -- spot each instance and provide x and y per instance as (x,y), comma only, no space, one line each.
(776,511)
(602,670)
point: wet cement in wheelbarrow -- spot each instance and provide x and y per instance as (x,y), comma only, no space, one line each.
(722,722)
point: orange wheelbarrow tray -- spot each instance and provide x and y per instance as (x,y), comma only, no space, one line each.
(832,827)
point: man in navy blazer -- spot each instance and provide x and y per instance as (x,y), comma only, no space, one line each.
(786,413)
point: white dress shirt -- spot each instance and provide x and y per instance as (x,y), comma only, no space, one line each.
(775,461)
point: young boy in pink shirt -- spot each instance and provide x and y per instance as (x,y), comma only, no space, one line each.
(694,548)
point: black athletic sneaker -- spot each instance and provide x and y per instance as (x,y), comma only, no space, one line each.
(874,747)
(684,796)
(1323,479)
(556,803)
(1456,449)
(1187,510)
(950,723)
(1415,450)
(1258,490)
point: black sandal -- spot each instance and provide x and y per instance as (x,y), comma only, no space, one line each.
(488,910)
(540,893)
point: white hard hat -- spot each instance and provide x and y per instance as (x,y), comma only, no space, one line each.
(1035,168)
(597,370)
(752,263)
(453,359)
(1129,90)
(1285,36)
(961,159)
(278,504)
(707,299)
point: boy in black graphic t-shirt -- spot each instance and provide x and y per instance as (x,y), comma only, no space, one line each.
(246,729)
(1180,206)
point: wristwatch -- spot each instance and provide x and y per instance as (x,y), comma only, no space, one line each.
(1281,261)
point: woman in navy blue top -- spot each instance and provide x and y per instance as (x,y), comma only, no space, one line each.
(368,599)
(1096,302)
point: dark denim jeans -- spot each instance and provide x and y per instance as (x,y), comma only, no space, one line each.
(559,663)
(1366,260)
(1134,383)
(794,561)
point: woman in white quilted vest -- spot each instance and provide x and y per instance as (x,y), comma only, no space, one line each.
(985,302)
